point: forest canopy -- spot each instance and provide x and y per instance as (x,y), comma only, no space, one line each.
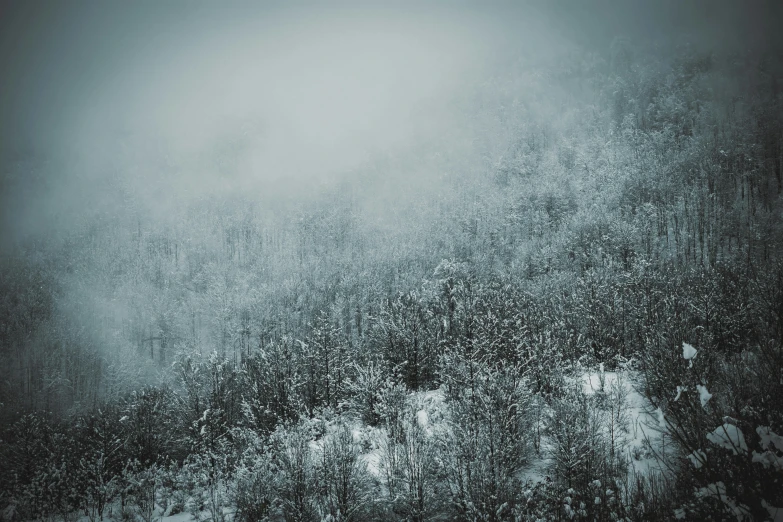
(437,262)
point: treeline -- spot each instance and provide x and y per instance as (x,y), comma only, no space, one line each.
(643,215)
(283,434)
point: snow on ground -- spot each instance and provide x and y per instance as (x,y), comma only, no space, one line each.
(422,418)
(112,513)
(646,434)
(429,410)
(373,462)
(370,440)
(536,470)
(433,404)
(645,431)
(180,517)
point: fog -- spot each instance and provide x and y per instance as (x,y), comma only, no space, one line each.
(163,102)
(324,260)
(182,100)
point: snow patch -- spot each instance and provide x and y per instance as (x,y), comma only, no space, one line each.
(768,459)
(422,418)
(598,381)
(768,436)
(776,513)
(697,458)
(729,437)
(718,490)
(373,462)
(646,426)
(660,418)
(769,440)
(688,351)
(704,395)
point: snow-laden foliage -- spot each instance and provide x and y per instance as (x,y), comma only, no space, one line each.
(572,312)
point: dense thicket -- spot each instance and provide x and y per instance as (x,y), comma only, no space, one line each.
(642,212)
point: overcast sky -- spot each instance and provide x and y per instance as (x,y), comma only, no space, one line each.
(68,62)
(275,93)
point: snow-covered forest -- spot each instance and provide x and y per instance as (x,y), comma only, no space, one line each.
(424,262)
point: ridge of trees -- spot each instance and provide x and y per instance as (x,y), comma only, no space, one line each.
(611,231)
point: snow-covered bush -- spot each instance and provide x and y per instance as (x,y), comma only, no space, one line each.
(141,491)
(365,390)
(150,431)
(255,490)
(343,481)
(270,387)
(101,459)
(172,496)
(491,436)
(297,474)
(410,469)
(718,410)
(579,450)
(391,408)
(204,474)
(24,452)
(209,404)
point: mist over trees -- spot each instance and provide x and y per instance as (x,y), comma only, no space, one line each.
(437,263)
